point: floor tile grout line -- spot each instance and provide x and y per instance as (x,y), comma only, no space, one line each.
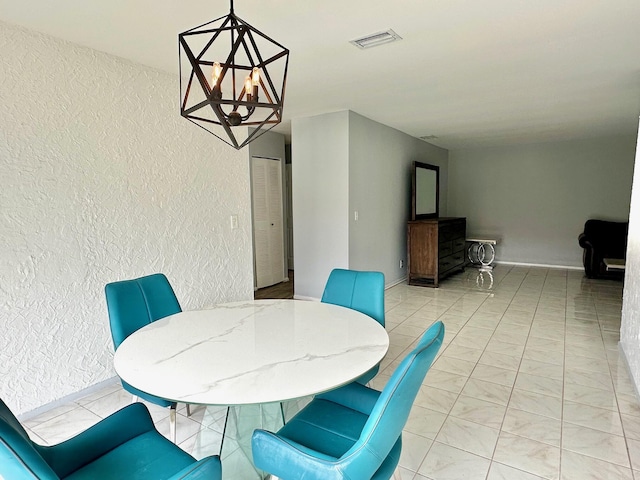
(564,366)
(617,401)
(514,385)
(469,377)
(511,393)
(617,405)
(458,395)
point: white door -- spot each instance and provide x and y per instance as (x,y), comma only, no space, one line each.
(268,237)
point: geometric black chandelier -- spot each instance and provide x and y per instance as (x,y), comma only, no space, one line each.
(232,77)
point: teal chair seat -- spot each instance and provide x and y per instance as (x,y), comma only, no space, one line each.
(125,445)
(361,291)
(353,432)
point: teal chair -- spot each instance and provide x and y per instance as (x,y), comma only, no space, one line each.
(353,432)
(132,304)
(361,291)
(124,445)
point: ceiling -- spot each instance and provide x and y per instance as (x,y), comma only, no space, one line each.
(471,73)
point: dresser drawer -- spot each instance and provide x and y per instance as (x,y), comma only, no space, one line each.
(447,233)
(445,249)
(451,261)
(458,244)
(451,230)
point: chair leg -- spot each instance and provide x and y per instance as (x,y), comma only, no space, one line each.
(134,399)
(172,422)
(188,410)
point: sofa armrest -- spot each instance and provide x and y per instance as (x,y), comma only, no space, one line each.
(584,241)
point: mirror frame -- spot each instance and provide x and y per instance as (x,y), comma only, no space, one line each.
(420,216)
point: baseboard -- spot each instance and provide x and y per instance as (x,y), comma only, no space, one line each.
(540,265)
(67,399)
(303,297)
(397,282)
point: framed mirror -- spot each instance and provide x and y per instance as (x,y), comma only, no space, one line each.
(425,191)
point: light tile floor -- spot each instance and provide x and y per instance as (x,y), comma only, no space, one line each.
(529,383)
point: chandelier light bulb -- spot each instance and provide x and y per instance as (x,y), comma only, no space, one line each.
(215,74)
(247,88)
(255,81)
(255,76)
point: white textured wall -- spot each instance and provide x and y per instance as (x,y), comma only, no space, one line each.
(630,328)
(538,196)
(101,180)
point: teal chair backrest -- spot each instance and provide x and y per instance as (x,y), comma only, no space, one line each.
(361,291)
(132,304)
(392,408)
(19,457)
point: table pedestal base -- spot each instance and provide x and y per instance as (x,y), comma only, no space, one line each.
(242,420)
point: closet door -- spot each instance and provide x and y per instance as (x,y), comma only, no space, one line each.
(268,237)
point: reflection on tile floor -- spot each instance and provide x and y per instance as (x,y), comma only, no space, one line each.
(529,383)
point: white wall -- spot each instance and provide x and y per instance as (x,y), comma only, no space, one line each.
(101,180)
(268,145)
(320,160)
(537,197)
(343,162)
(380,160)
(630,328)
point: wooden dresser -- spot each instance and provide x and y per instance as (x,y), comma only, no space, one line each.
(436,249)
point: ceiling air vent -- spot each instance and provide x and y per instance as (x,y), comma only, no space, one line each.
(376,39)
(426,138)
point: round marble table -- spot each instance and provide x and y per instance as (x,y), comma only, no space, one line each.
(251,352)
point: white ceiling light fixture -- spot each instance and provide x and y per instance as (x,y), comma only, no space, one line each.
(376,39)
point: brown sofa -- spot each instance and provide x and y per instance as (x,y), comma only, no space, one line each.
(603,239)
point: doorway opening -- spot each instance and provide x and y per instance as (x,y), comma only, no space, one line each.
(272,217)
